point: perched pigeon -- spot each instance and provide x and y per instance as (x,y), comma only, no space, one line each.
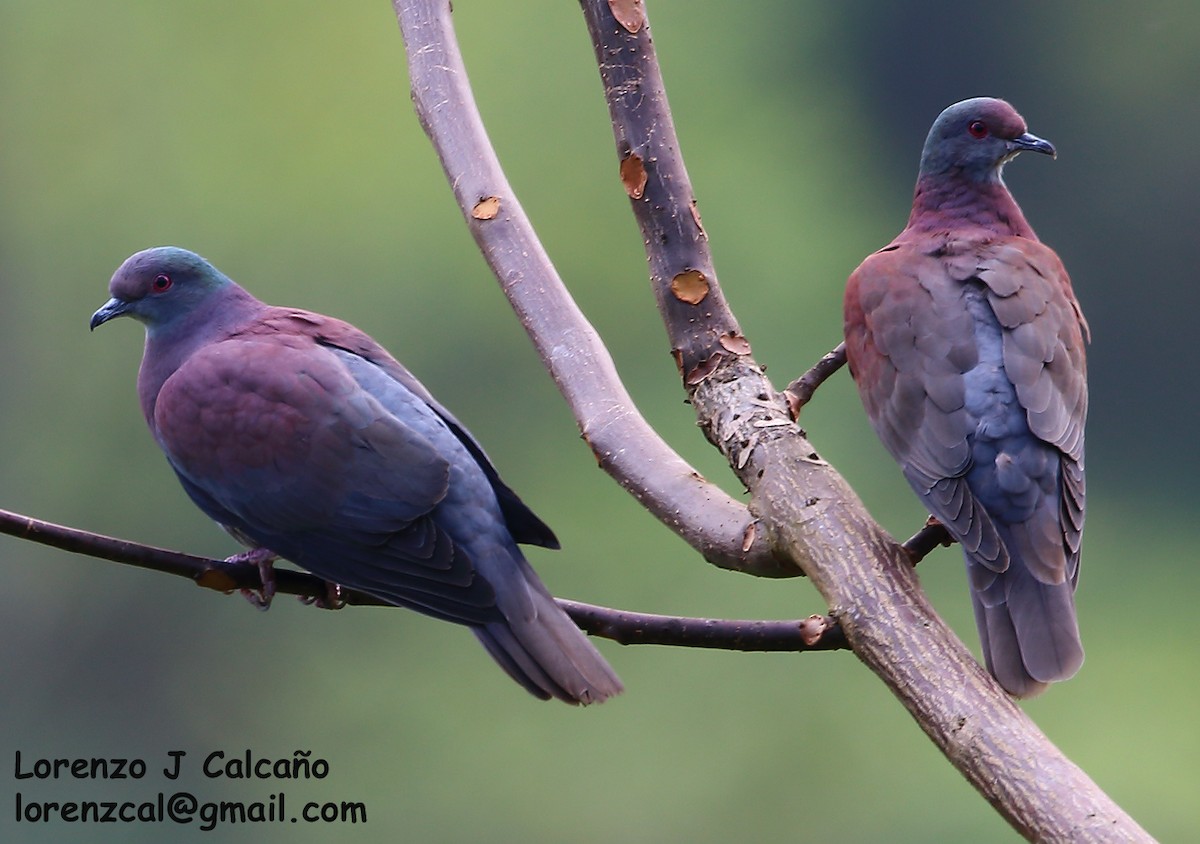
(967,345)
(305,439)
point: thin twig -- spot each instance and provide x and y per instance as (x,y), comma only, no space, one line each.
(817,633)
(217,575)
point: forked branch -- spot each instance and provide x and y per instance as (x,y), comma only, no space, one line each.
(707,518)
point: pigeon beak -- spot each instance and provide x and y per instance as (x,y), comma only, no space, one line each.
(1032,143)
(112,309)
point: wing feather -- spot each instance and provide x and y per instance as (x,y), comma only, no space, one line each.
(274,437)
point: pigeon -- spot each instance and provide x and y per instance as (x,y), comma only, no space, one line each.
(966,343)
(304,439)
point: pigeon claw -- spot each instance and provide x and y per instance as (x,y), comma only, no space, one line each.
(264,559)
(331,600)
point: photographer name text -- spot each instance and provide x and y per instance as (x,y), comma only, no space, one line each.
(216,765)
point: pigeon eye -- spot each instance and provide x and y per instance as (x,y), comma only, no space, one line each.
(162,283)
(977,129)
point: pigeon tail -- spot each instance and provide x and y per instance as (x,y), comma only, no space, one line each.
(542,649)
(1028,631)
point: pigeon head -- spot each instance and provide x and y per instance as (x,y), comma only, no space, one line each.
(975,138)
(160,286)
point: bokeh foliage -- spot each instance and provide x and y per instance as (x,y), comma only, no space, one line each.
(278,140)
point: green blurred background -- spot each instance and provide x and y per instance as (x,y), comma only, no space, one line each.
(278,139)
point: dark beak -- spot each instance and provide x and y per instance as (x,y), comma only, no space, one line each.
(1032,143)
(112,309)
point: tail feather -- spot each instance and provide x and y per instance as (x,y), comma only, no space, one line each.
(516,662)
(1028,630)
(1044,616)
(1002,651)
(541,648)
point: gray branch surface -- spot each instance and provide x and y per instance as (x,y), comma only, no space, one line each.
(808,515)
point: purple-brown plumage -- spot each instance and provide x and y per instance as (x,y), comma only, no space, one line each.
(302,436)
(967,345)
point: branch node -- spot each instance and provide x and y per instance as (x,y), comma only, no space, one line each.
(920,544)
(800,392)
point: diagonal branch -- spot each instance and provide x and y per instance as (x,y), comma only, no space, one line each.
(811,512)
(700,326)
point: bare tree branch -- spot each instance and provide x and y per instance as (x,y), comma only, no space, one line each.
(708,519)
(816,633)
(810,511)
(701,328)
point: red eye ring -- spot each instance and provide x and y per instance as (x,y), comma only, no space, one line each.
(162,283)
(977,129)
